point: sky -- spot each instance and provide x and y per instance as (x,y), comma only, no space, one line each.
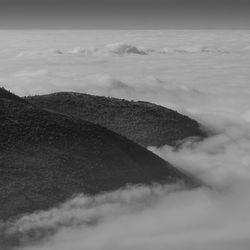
(124,14)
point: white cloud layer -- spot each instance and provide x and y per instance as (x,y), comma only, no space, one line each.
(211,87)
(120,48)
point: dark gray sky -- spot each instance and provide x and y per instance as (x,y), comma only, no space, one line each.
(124,14)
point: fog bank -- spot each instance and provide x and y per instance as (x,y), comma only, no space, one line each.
(212,87)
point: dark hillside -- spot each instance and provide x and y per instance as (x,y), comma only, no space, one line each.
(46,157)
(5,94)
(145,123)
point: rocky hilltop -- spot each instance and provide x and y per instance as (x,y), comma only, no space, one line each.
(145,123)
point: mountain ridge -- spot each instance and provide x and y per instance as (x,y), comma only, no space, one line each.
(145,123)
(46,157)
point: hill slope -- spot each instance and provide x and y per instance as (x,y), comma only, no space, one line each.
(45,157)
(145,123)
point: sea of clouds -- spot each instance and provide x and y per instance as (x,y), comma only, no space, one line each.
(211,87)
(120,48)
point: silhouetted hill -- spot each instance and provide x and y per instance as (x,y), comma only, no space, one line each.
(45,157)
(5,94)
(145,123)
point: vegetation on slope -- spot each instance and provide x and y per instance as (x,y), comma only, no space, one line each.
(145,123)
(46,157)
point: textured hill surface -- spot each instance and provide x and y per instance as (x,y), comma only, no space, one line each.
(46,157)
(145,123)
